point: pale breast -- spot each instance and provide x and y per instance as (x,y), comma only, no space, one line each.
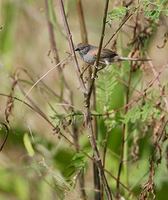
(89,58)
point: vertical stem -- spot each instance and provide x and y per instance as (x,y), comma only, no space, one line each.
(97,184)
(92,136)
(97,157)
(124,147)
(82,22)
(74,127)
(51,34)
(55,51)
(71,46)
(85,40)
(77,147)
(87,95)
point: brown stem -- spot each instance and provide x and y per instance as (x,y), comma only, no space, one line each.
(36,108)
(98,186)
(51,35)
(55,52)
(155,73)
(46,87)
(82,22)
(124,186)
(75,131)
(84,40)
(6,136)
(82,84)
(71,45)
(89,124)
(126,18)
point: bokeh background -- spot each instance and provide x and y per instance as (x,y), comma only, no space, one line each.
(26,173)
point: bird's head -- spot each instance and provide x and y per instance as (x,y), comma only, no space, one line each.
(82,48)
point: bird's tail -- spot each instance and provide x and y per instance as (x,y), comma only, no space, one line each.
(133,59)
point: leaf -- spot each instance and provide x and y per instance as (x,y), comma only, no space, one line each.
(28,145)
(54,179)
(117,13)
(143,113)
(153,9)
(132,115)
(109,90)
(77,164)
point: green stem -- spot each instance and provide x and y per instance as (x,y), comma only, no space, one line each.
(125,157)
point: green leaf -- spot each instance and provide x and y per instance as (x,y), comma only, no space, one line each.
(132,115)
(153,9)
(109,90)
(54,179)
(28,145)
(117,13)
(143,113)
(77,164)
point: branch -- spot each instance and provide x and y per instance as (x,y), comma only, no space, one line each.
(55,51)
(71,46)
(76,132)
(88,114)
(126,18)
(6,136)
(51,34)
(82,22)
(42,77)
(155,73)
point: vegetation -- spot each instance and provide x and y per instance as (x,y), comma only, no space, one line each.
(69,131)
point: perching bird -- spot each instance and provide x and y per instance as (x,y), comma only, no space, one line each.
(89,53)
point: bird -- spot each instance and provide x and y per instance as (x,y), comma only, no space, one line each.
(89,52)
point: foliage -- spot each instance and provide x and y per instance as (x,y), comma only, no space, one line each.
(49,153)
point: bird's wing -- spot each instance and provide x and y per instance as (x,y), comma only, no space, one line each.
(105,53)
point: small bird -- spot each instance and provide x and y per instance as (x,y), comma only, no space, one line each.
(88,53)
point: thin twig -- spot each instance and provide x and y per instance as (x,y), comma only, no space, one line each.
(158,83)
(6,136)
(10,103)
(124,147)
(76,131)
(121,25)
(82,21)
(88,113)
(40,112)
(71,46)
(51,34)
(42,77)
(123,185)
(46,87)
(98,186)
(55,52)
(82,85)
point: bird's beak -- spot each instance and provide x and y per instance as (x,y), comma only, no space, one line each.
(76,49)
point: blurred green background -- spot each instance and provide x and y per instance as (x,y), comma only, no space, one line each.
(34,163)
